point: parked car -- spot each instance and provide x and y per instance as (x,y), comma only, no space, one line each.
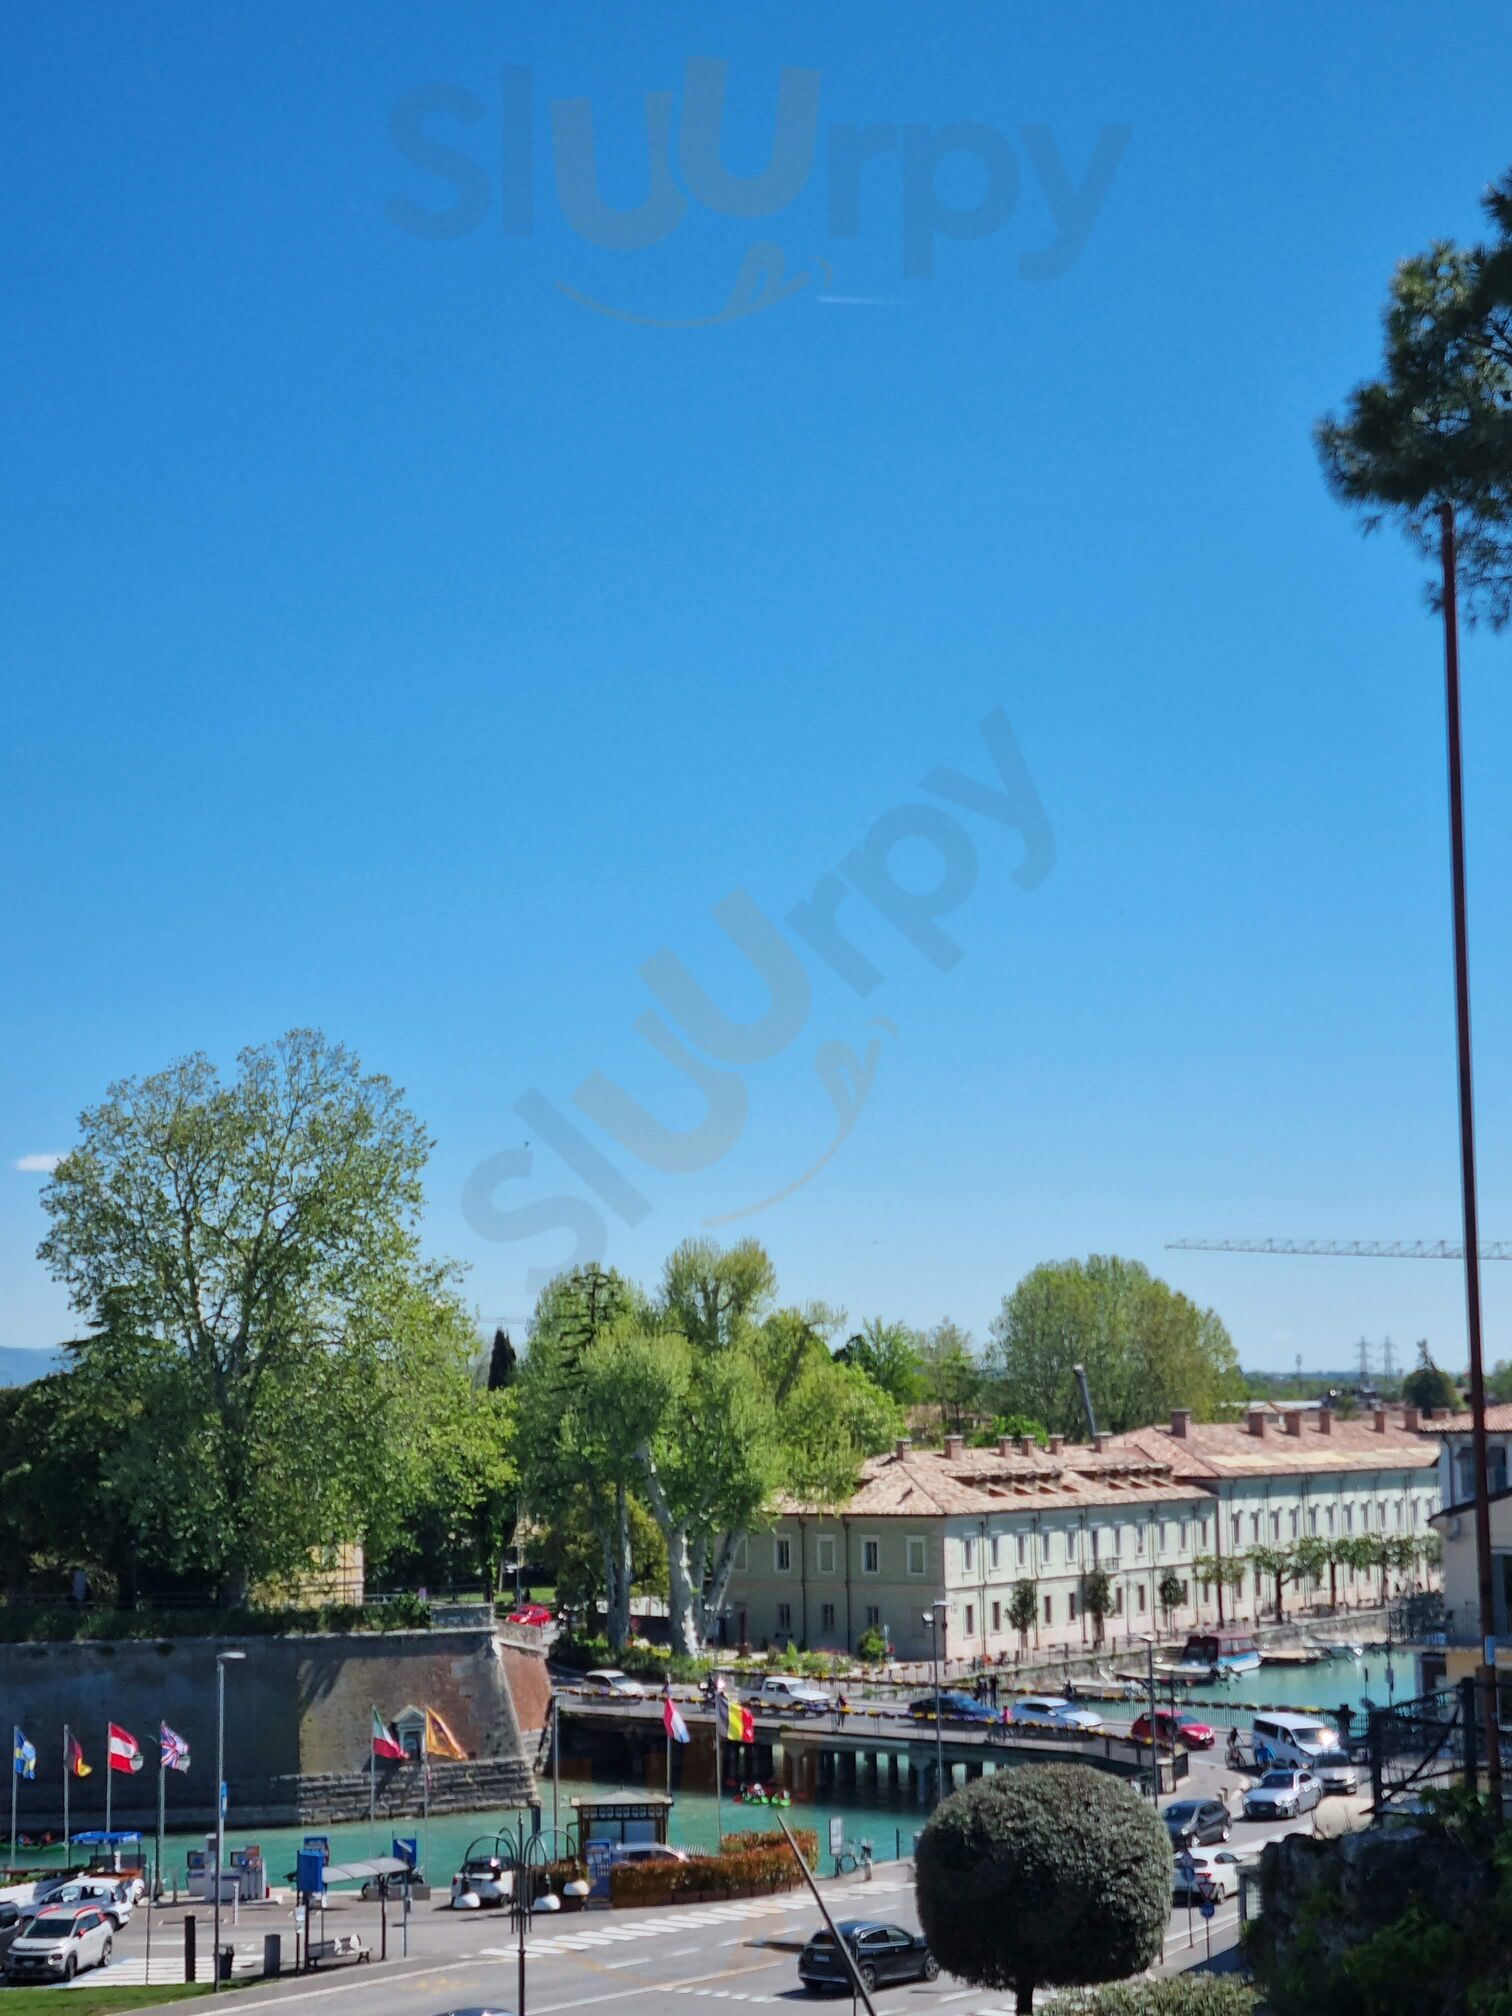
(785,1690)
(534,1614)
(12,1918)
(1172,1731)
(59,1944)
(646,1851)
(1282,1795)
(953,1708)
(610,1682)
(882,1953)
(109,1894)
(1190,1821)
(1050,1711)
(1216,1867)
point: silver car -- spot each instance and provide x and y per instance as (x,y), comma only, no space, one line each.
(1282,1795)
(59,1944)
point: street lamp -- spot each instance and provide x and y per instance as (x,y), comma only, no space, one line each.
(220,1803)
(1149,1645)
(936,1622)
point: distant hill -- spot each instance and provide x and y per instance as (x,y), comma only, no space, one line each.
(18,1366)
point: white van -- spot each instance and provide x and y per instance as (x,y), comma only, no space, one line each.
(1306,1744)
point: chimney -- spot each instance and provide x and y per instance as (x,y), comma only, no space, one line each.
(1411,1420)
(954,1444)
(1294,1421)
(1005,1445)
(1254,1420)
(1099,1442)
(1026,1445)
(901,1447)
(1325,1420)
(1181,1420)
(1380,1420)
(1057,1443)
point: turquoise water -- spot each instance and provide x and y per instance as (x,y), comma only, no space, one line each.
(885,1815)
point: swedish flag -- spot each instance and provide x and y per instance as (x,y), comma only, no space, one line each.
(24,1753)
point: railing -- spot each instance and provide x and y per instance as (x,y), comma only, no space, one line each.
(1424,1744)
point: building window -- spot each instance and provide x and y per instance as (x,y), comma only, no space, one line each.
(1330,1519)
(1203,1530)
(1396,1513)
(826,1616)
(1049,1609)
(997,1618)
(871,1557)
(970,1620)
(1139,1539)
(1139,1598)
(1118,1601)
(1207,1592)
(915,1556)
(1237,1523)
(784,1619)
(782,1556)
(1071,1544)
(1071,1608)
(873,1617)
(1349,1518)
(1023,1548)
(968,1555)
(1186,1535)
(740,1554)
(1186,1594)
(1312,1518)
(824,1554)
(994,1552)
(1294,1522)
(1255,1526)
(1381,1508)
(1165,1534)
(1275,1523)
(1117,1543)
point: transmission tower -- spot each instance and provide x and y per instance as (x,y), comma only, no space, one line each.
(1364,1348)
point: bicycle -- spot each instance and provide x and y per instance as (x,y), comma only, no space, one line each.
(853,1856)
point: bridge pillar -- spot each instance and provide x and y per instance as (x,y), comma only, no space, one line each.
(847,1761)
(873,1767)
(973,1770)
(892,1767)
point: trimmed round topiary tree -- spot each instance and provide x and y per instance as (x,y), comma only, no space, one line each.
(1044,1875)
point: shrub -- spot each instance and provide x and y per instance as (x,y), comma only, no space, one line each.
(1187,1995)
(872,1647)
(743,1872)
(1044,1874)
(806,1837)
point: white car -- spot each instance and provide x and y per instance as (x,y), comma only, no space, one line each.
(783,1690)
(613,1685)
(1051,1711)
(1217,1867)
(59,1943)
(111,1894)
(1282,1795)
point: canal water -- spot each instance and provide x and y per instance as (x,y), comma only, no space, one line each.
(884,1814)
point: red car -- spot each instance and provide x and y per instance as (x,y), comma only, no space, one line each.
(1173,1729)
(530,1613)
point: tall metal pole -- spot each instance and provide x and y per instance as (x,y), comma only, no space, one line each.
(556,1763)
(15,1774)
(109,1777)
(66,1775)
(1154,1727)
(220,1815)
(934,1654)
(1467,1169)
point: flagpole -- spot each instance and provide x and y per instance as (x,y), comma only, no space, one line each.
(109,1776)
(157,1874)
(718,1779)
(65,1794)
(372,1778)
(15,1773)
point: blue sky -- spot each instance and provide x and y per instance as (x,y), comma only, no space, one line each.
(396,642)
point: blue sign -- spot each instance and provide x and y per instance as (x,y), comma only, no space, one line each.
(319,1844)
(405,1848)
(223,1799)
(309,1873)
(1208,1909)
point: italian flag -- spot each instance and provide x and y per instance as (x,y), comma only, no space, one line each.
(739,1725)
(384,1744)
(125,1753)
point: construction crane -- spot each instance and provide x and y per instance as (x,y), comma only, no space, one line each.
(1344,1249)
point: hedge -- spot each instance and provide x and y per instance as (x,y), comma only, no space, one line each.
(736,1844)
(751,1872)
(41,1623)
(1186,1995)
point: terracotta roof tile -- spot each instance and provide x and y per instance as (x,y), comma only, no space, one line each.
(1227,1449)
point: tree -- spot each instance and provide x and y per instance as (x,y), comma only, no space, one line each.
(1429,1386)
(871,1647)
(1012,1428)
(1499,1382)
(1097,1598)
(1279,1565)
(1044,1875)
(1171,1592)
(1220,1571)
(1436,427)
(248,1253)
(1023,1611)
(888,1353)
(1309,1557)
(951,1375)
(1145,1348)
(503,1362)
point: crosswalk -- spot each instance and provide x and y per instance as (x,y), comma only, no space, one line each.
(590,1937)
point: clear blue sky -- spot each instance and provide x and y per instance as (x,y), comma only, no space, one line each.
(395,643)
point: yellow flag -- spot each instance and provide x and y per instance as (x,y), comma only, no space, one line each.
(439,1740)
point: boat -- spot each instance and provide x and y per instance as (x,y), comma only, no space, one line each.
(757,1795)
(1211,1655)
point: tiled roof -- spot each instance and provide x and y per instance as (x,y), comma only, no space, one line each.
(927,1482)
(1227,1449)
(1498,1422)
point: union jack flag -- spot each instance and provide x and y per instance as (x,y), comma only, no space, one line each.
(175,1750)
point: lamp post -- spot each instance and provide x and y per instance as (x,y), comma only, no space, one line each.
(1149,1645)
(936,1623)
(221,1659)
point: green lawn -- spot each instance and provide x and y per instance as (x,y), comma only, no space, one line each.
(91,2001)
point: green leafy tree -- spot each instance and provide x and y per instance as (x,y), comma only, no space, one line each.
(1277,1565)
(1023,1610)
(1146,1349)
(1435,427)
(951,1374)
(248,1252)
(1014,1428)
(888,1353)
(1219,1571)
(1499,1382)
(871,1646)
(1430,1386)
(1097,1598)
(1052,1875)
(1171,1593)
(1309,1557)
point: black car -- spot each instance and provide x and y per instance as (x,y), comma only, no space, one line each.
(882,1953)
(1195,1822)
(954,1707)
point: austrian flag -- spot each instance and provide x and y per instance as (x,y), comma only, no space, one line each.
(125,1754)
